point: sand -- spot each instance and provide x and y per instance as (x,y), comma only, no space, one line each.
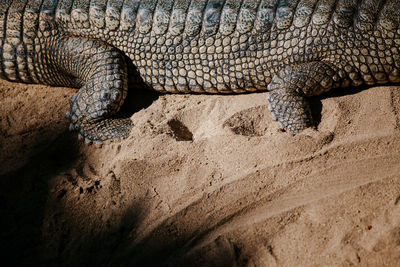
(202,180)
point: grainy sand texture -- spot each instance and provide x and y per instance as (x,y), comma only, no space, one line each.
(202,180)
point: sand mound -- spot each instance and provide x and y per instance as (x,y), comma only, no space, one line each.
(202,180)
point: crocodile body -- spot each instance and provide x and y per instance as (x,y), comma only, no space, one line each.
(293,48)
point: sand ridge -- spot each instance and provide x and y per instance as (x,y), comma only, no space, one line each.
(204,180)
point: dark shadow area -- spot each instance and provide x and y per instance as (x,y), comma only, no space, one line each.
(23,195)
(140,95)
(137,99)
(100,245)
(316,109)
(25,239)
(165,246)
(352,90)
(336,92)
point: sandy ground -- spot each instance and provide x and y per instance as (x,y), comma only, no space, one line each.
(203,180)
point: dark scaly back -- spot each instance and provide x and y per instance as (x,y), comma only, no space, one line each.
(185,45)
(214,45)
(231,45)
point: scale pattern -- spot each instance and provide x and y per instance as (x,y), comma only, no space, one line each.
(293,48)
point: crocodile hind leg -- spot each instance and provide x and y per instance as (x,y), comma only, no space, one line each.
(291,87)
(101,73)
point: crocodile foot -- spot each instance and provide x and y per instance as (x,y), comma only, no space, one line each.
(92,110)
(103,130)
(290,88)
(292,112)
(104,86)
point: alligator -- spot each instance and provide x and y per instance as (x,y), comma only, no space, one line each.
(294,49)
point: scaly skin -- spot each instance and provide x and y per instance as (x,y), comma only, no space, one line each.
(294,49)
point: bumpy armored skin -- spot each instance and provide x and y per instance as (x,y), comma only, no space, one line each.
(293,48)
